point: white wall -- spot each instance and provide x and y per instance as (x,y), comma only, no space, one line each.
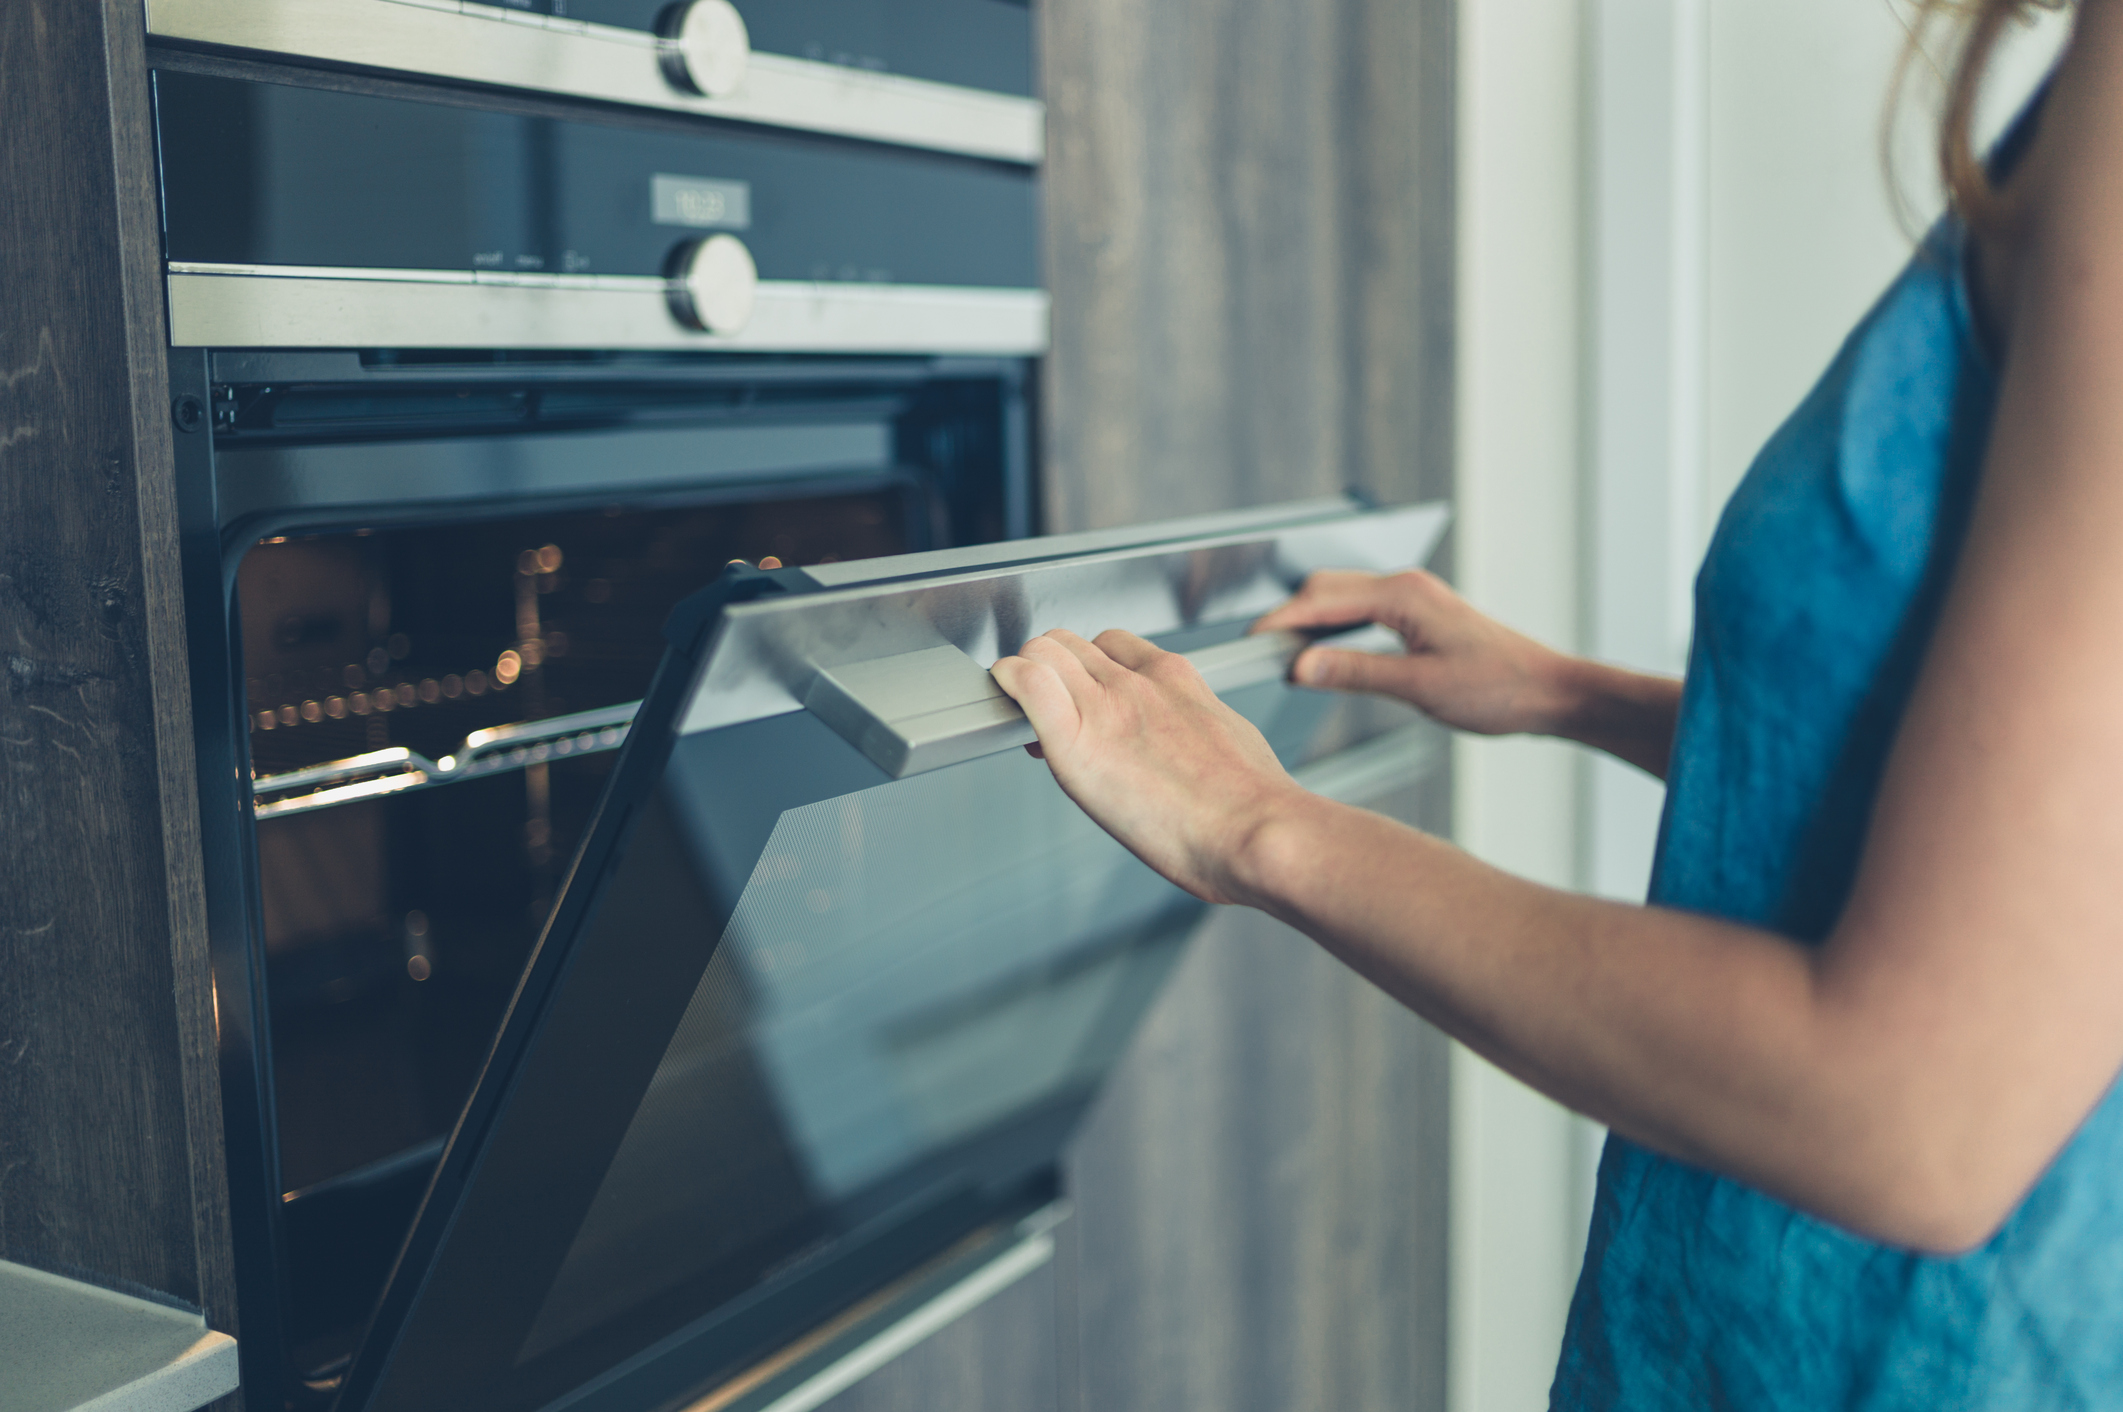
(1517,535)
(1671,211)
(1802,234)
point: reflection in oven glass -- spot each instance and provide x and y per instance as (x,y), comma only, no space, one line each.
(909,972)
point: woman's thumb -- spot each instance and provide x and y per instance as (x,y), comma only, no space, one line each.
(1339,669)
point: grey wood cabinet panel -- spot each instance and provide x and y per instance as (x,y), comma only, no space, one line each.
(1261,1194)
(1250,246)
(110,1120)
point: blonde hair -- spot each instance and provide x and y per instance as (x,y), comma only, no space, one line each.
(1971,30)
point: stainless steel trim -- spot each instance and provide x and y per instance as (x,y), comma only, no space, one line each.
(280,479)
(921,711)
(824,1365)
(769,652)
(1364,772)
(515,49)
(1061,546)
(946,1308)
(298,306)
(917,711)
(1266,656)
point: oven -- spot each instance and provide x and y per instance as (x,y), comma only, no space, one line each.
(427,597)
(670,1050)
(647,972)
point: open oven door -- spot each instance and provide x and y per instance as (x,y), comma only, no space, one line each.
(837,968)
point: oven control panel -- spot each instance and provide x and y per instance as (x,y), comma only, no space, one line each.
(298,216)
(948,75)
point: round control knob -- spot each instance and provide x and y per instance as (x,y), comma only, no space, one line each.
(704,47)
(713,282)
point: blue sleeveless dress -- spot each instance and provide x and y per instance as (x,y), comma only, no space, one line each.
(1813,611)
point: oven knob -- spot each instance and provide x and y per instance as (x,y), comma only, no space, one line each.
(704,47)
(712,283)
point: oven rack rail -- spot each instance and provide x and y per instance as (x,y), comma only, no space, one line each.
(485,752)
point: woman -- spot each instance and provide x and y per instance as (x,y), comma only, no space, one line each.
(1857,1053)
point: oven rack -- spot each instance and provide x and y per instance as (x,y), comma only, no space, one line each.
(484,752)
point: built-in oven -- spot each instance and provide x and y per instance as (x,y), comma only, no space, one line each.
(651,1021)
(647,974)
(427,595)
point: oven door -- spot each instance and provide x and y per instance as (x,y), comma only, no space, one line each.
(837,967)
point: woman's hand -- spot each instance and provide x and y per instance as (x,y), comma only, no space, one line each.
(1472,673)
(1463,668)
(1137,739)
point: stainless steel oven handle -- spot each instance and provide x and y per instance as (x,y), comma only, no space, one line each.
(719,74)
(920,711)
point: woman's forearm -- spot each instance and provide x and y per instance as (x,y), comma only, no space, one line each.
(1630,715)
(1909,1077)
(1709,1041)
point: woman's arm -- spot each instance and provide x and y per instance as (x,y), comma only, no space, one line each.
(1473,673)
(1700,1038)
(1912,1076)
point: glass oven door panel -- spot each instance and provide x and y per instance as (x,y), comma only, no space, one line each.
(395,927)
(790,1009)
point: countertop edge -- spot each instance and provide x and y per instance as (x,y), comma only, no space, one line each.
(74,1347)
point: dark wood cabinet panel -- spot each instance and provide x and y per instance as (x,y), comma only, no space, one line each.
(110,1150)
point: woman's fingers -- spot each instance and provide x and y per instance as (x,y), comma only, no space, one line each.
(1090,658)
(1334,599)
(1127,649)
(1038,685)
(1337,669)
(1071,661)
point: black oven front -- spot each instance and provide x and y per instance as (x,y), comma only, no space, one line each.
(494,338)
(429,593)
(645,969)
